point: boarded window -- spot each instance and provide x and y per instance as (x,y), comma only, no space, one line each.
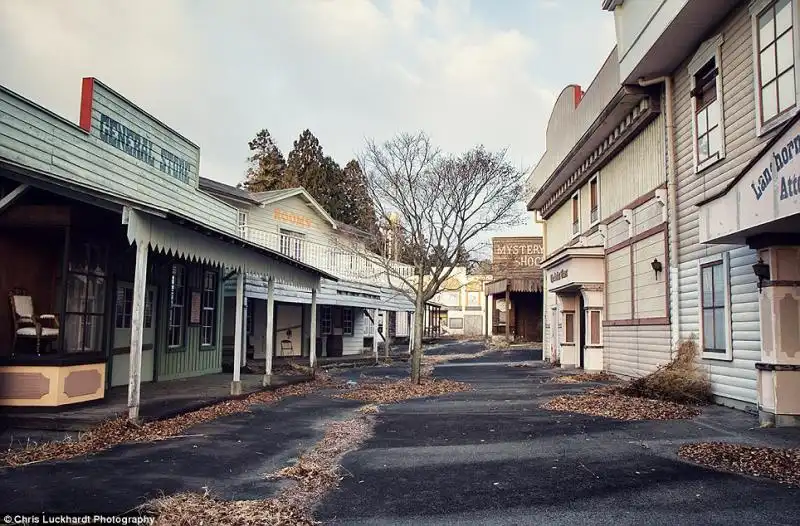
(569,327)
(594,324)
(456,323)
(575,215)
(594,198)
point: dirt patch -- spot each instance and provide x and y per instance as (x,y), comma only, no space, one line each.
(315,473)
(120,431)
(621,407)
(580,378)
(782,465)
(397,391)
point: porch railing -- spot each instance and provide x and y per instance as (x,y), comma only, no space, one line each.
(342,262)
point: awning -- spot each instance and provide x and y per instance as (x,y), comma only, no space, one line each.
(763,199)
(514,285)
(194,242)
(575,267)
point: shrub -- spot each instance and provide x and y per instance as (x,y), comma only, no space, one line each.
(680,380)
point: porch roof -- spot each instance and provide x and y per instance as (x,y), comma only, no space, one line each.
(191,240)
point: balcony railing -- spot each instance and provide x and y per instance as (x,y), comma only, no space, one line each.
(342,262)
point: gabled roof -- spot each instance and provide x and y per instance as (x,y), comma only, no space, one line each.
(273,196)
(226,190)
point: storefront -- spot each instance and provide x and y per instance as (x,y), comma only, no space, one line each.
(575,284)
(760,208)
(113,259)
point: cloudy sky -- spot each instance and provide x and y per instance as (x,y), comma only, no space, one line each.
(466,72)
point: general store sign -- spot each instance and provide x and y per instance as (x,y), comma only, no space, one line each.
(767,192)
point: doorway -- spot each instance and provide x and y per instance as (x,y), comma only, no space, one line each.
(582,331)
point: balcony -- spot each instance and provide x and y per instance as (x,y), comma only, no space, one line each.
(344,263)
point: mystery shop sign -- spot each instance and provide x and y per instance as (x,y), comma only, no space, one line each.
(123,138)
(778,170)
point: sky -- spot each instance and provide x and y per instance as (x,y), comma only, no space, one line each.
(465,72)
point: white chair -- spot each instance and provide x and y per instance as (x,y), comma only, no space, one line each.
(27,324)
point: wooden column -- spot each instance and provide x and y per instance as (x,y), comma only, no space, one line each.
(410,332)
(508,314)
(270,337)
(238,334)
(137,330)
(376,334)
(313,347)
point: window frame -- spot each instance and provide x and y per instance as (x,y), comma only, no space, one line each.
(126,315)
(591,329)
(594,212)
(325,317)
(569,320)
(710,261)
(347,317)
(172,306)
(758,8)
(575,214)
(459,320)
(213,275)
(87,320)
(709,50)
(243,220)
(291,243)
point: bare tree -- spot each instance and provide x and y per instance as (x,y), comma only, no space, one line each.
(438,207)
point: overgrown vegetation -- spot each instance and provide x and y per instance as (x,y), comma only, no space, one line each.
(680,381)
(600,376)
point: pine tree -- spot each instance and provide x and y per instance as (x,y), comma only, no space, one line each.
(360,209)
(305,165)
(267,167)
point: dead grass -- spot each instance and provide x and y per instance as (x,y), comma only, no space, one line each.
(601,376)
(397,391)
(435,359)
(680,381)
(621,407)
(782,465)
(119,431)
(315,473)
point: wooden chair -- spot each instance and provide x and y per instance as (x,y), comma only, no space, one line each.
(27,324)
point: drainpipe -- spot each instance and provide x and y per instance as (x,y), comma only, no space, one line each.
(672,205)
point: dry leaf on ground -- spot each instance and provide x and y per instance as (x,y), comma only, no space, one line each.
(600,376)
(778,464)
(621,407)
(119,431)
(397,391)
(315,473)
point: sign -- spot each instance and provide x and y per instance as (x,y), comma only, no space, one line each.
(517,256)
(289,217)
(195,308)
(559,275)
(125,139)
(780,160)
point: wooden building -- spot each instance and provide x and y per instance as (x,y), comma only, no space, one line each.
(515,294)
(112,260)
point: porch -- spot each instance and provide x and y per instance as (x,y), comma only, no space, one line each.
(159,400)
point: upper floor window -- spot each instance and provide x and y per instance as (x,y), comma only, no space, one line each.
(575,214)
(707,122)
(594,198)
(242,223)
(777,88)
(292,244)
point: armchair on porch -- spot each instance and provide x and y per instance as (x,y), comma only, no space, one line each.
(27,324)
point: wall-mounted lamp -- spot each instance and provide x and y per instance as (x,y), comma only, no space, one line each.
(657,266)
(761,270)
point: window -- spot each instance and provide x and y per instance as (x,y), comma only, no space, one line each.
(715,308)
(575,215)
(177,297)
(124,308)
(594,327)
(208,313)
(85,298)
(594,198)
(569,327)
(347,322)
(248,321)
(775,75)
(456,323)
(242,223)
(706,84)
(325,320)
(369,326)
(292,244)
(473,300)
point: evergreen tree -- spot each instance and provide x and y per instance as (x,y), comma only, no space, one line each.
(360,209)
(266,165)
(305,166)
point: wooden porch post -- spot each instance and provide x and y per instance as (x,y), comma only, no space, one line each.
(411,317)
(508,314)
(270,336)
(238,336)
(313,348)
(376,334)
(137,330)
